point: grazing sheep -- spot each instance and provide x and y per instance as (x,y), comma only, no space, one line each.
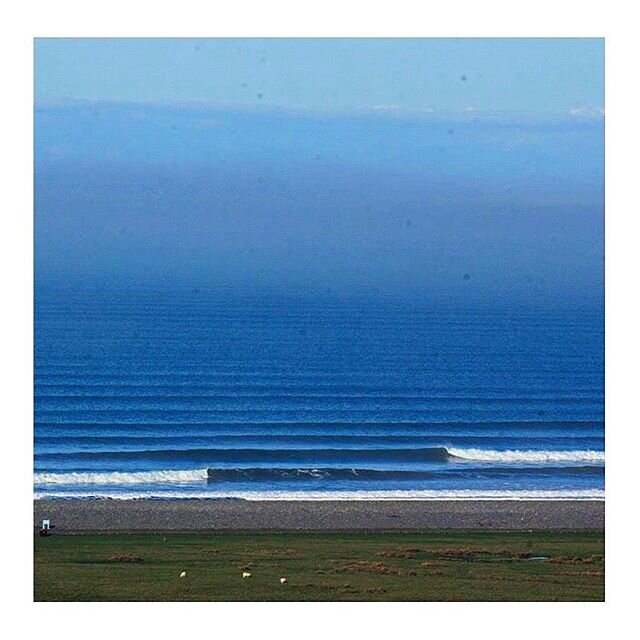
(246,574)
(183,574)
(283,581)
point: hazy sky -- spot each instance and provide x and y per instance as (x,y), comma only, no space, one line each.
(530,75)
(465,170)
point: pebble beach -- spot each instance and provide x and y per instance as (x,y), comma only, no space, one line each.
(70,516)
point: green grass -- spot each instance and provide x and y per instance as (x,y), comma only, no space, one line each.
(427,566)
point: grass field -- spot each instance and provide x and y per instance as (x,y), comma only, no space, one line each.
(447,565)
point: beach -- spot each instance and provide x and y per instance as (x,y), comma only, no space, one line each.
(68,516)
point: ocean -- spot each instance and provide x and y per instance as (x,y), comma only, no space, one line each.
(203,394)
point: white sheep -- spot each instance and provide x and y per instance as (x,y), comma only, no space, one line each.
(183,574)
(246,574)
(283,581)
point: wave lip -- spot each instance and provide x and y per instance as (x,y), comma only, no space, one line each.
(517,455)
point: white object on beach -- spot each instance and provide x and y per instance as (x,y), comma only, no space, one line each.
(246,574)
(183,574)
(283,581)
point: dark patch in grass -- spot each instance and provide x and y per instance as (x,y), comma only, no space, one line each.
(366,566)
(402,552)
(574,560)
(482,555)
(271,553)
(124,558)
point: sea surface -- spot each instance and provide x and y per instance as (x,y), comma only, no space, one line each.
(196,394)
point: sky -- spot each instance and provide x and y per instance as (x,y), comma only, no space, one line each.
(524,75)
(459,171)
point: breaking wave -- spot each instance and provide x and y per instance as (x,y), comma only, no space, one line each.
(488,455)
(309,474)
(119,478)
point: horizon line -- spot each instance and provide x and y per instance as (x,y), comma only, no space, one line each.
(470,113)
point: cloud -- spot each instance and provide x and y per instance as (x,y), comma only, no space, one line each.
(587,112)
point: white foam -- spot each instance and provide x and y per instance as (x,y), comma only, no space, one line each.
(117,477)
(465,494)
(514,455)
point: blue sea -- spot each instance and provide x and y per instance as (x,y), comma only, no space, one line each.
(203,394)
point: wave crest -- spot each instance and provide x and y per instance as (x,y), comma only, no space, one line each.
(117,477)
(514,455)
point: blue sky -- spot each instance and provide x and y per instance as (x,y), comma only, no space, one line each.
(388,166)
(542,76)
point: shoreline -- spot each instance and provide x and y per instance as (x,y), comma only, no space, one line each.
(333,496)
(148,515)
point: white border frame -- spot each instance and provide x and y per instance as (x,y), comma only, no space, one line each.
(187,18)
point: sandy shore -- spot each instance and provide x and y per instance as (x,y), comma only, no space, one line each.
(226,515)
